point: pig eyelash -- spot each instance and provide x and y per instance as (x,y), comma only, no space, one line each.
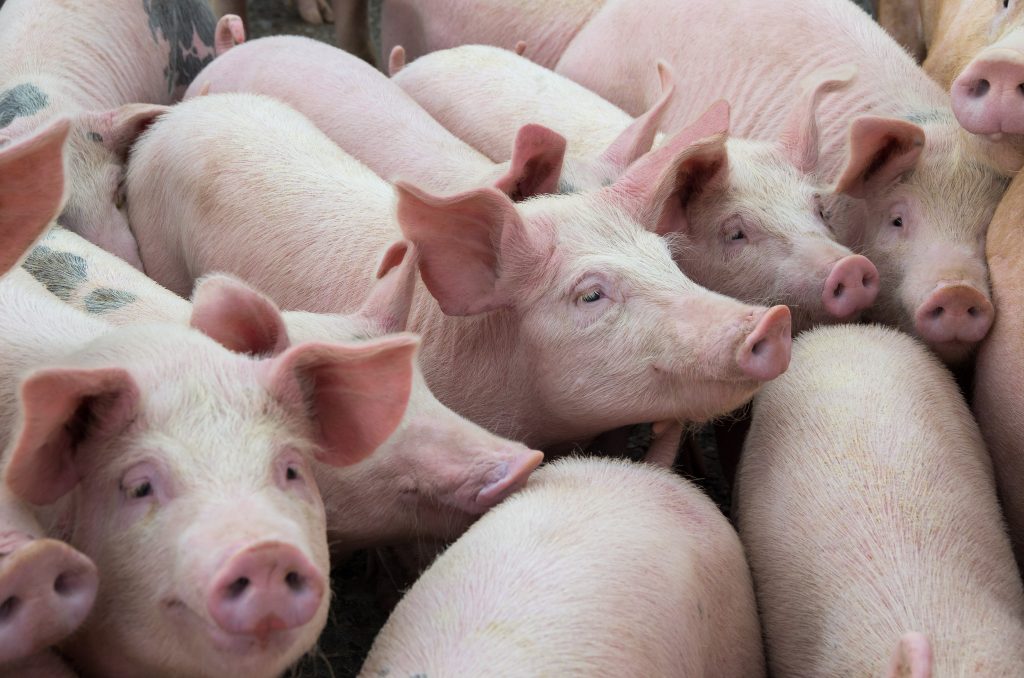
(591,296)
(139,491)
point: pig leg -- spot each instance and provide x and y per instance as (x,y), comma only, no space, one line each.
(665,446)
(351,25)
(902,19)
(314,11)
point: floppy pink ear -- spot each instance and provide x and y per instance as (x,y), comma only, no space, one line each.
(656,188)
(62,408)
(638,138)
(912,657)
(881,150)
(117,129)
(462,241)
(31,189)
(396,60)
(238,317)
(536,163)
(391,297)
(800,134)
(356,394)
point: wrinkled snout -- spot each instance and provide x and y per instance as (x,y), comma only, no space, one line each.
(988,97)
(765,352)
(954,313)
(506,478)
(264,588)
(851,287)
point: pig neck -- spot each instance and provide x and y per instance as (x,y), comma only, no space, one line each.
(762,78)
(104,60)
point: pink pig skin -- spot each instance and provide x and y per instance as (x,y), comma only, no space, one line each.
(998,396)
(430,479)
(112,445)
(371,118)
(866,503)
(924,230)
(568,329)
(95,62)
(598,568)
(423,26)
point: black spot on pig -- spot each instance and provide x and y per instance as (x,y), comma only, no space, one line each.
(105,299)
(929,116)
(179,22)
(59,272)
(21,101)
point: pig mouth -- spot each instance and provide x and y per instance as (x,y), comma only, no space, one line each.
(245,646)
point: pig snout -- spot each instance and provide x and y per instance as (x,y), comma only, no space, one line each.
(265,588)
(765,352)
(954,313)
(851,287)
(47,589)
(988,97)
(506,478)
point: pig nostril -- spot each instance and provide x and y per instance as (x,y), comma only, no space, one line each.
(1020,88)
(295,581)
(838,291)
(974,311)
(980,89)
(9,607)
(64,584)
(238,587)
(758,347)
(936,312)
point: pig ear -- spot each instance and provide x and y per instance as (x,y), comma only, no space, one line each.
(912,657)
(391,297)
(230,32)
(800,134)
(638,138)
(117,129)
(658,186)
(881,149)
(461,242)
(31,190)
(238,317)
(62,408)
(536,163)
(396,60)
(902,20)
(356,394)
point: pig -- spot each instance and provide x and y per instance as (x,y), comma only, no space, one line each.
(433,476)
(547,321)
(423,26)
(998,402)
(533,588)
(112,70)
(913,192)
(31,189)
(375,121)
(866,504)
(753,224)
(181,470)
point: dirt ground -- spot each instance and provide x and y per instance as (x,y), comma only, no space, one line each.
(274,17)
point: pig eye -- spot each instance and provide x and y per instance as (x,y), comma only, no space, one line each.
(139,490)
(291,473)
(898,222)
(737,234)
(1006,3)
(591,297)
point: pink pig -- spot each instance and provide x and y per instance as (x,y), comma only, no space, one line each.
(600,567)
(94,61)
(366,114)
(183,471)
(430,479)
(916,191)
(866,504)
(752,221)
(549,321)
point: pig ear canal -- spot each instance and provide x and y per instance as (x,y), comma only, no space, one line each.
(31,190)
(390,299)
(638,138)
(536,164)
(356,394)
(62,409)
(465,242)
(237,317)
(912,657)
(118,129)
(881,150)
(800,135)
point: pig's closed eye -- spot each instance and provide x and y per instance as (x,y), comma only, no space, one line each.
(738,234)
(591,297)
(139,490)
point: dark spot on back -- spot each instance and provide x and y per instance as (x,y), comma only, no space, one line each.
(177,21)
(59,272)
(105,299)
(21,101)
